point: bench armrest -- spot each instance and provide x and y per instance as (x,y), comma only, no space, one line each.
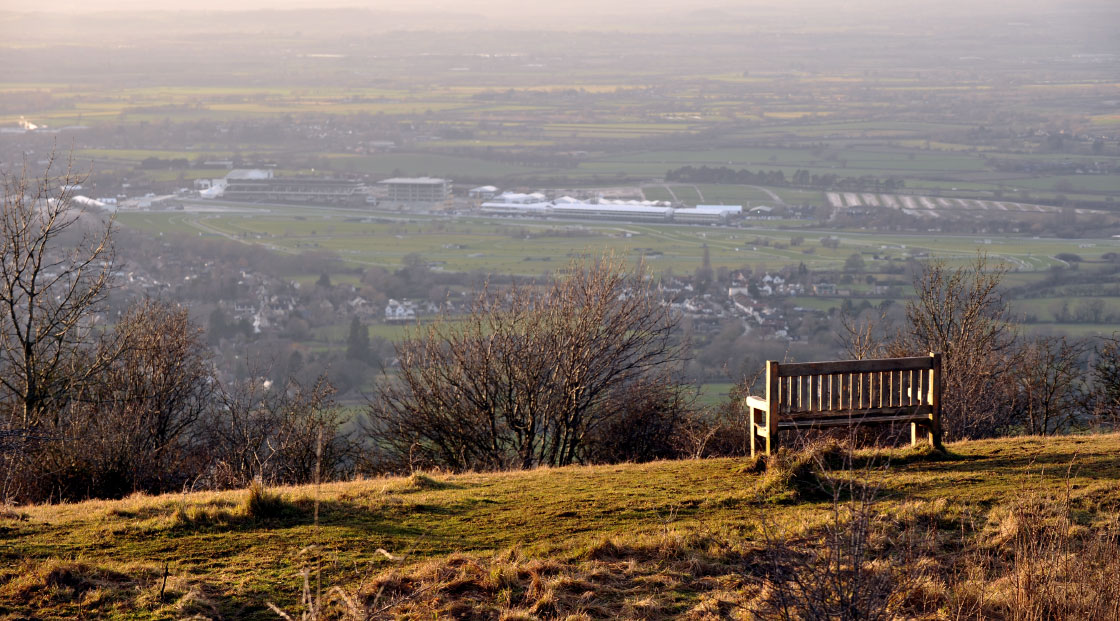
(758,403)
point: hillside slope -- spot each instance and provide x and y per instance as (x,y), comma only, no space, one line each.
(697,538)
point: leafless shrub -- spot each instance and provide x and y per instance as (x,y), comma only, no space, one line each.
(865,337)
(1050,385)
(644,425)
(528,376)
(133,428)
(271,433)
(723,431)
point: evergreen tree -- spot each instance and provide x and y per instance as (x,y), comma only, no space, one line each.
(357,343)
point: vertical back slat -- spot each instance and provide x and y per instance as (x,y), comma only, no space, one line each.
(773,406)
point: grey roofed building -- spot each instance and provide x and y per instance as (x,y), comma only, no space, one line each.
(416,189)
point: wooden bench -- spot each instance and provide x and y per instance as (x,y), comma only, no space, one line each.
(810,395)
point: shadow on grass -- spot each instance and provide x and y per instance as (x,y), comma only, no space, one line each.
(1098,467)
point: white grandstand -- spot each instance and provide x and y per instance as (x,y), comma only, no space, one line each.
(536,204)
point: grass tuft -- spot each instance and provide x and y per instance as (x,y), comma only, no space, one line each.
(263,504)
(421,481)
(803,475)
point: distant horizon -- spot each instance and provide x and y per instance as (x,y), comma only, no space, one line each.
(501,7)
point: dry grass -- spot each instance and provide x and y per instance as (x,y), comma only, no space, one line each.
(56,588)
(1037,558)
(989,531)
(905,572)
(649,577)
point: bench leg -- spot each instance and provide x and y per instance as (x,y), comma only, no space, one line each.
(772,440)
(925,433)
(751,427)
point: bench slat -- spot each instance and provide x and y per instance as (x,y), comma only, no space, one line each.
(794,369)
(857,415)
(811,423)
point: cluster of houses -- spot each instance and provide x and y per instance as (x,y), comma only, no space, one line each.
(268,304)
(405,310)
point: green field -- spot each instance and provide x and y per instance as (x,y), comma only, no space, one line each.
(518,246)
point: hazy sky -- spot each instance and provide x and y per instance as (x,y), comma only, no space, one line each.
(773,16)
(490,7)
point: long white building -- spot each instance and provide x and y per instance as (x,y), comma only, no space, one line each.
(646,211)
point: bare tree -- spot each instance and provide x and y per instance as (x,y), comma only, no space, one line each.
(1104,397)
(527,376)
(1049,378)
(863,337)
(56,270)
(961,314)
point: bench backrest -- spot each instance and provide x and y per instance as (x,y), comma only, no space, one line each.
(823,388)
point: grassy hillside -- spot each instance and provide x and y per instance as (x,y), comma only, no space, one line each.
(704,539)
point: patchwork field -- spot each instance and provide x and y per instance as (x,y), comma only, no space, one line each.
(523,246)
